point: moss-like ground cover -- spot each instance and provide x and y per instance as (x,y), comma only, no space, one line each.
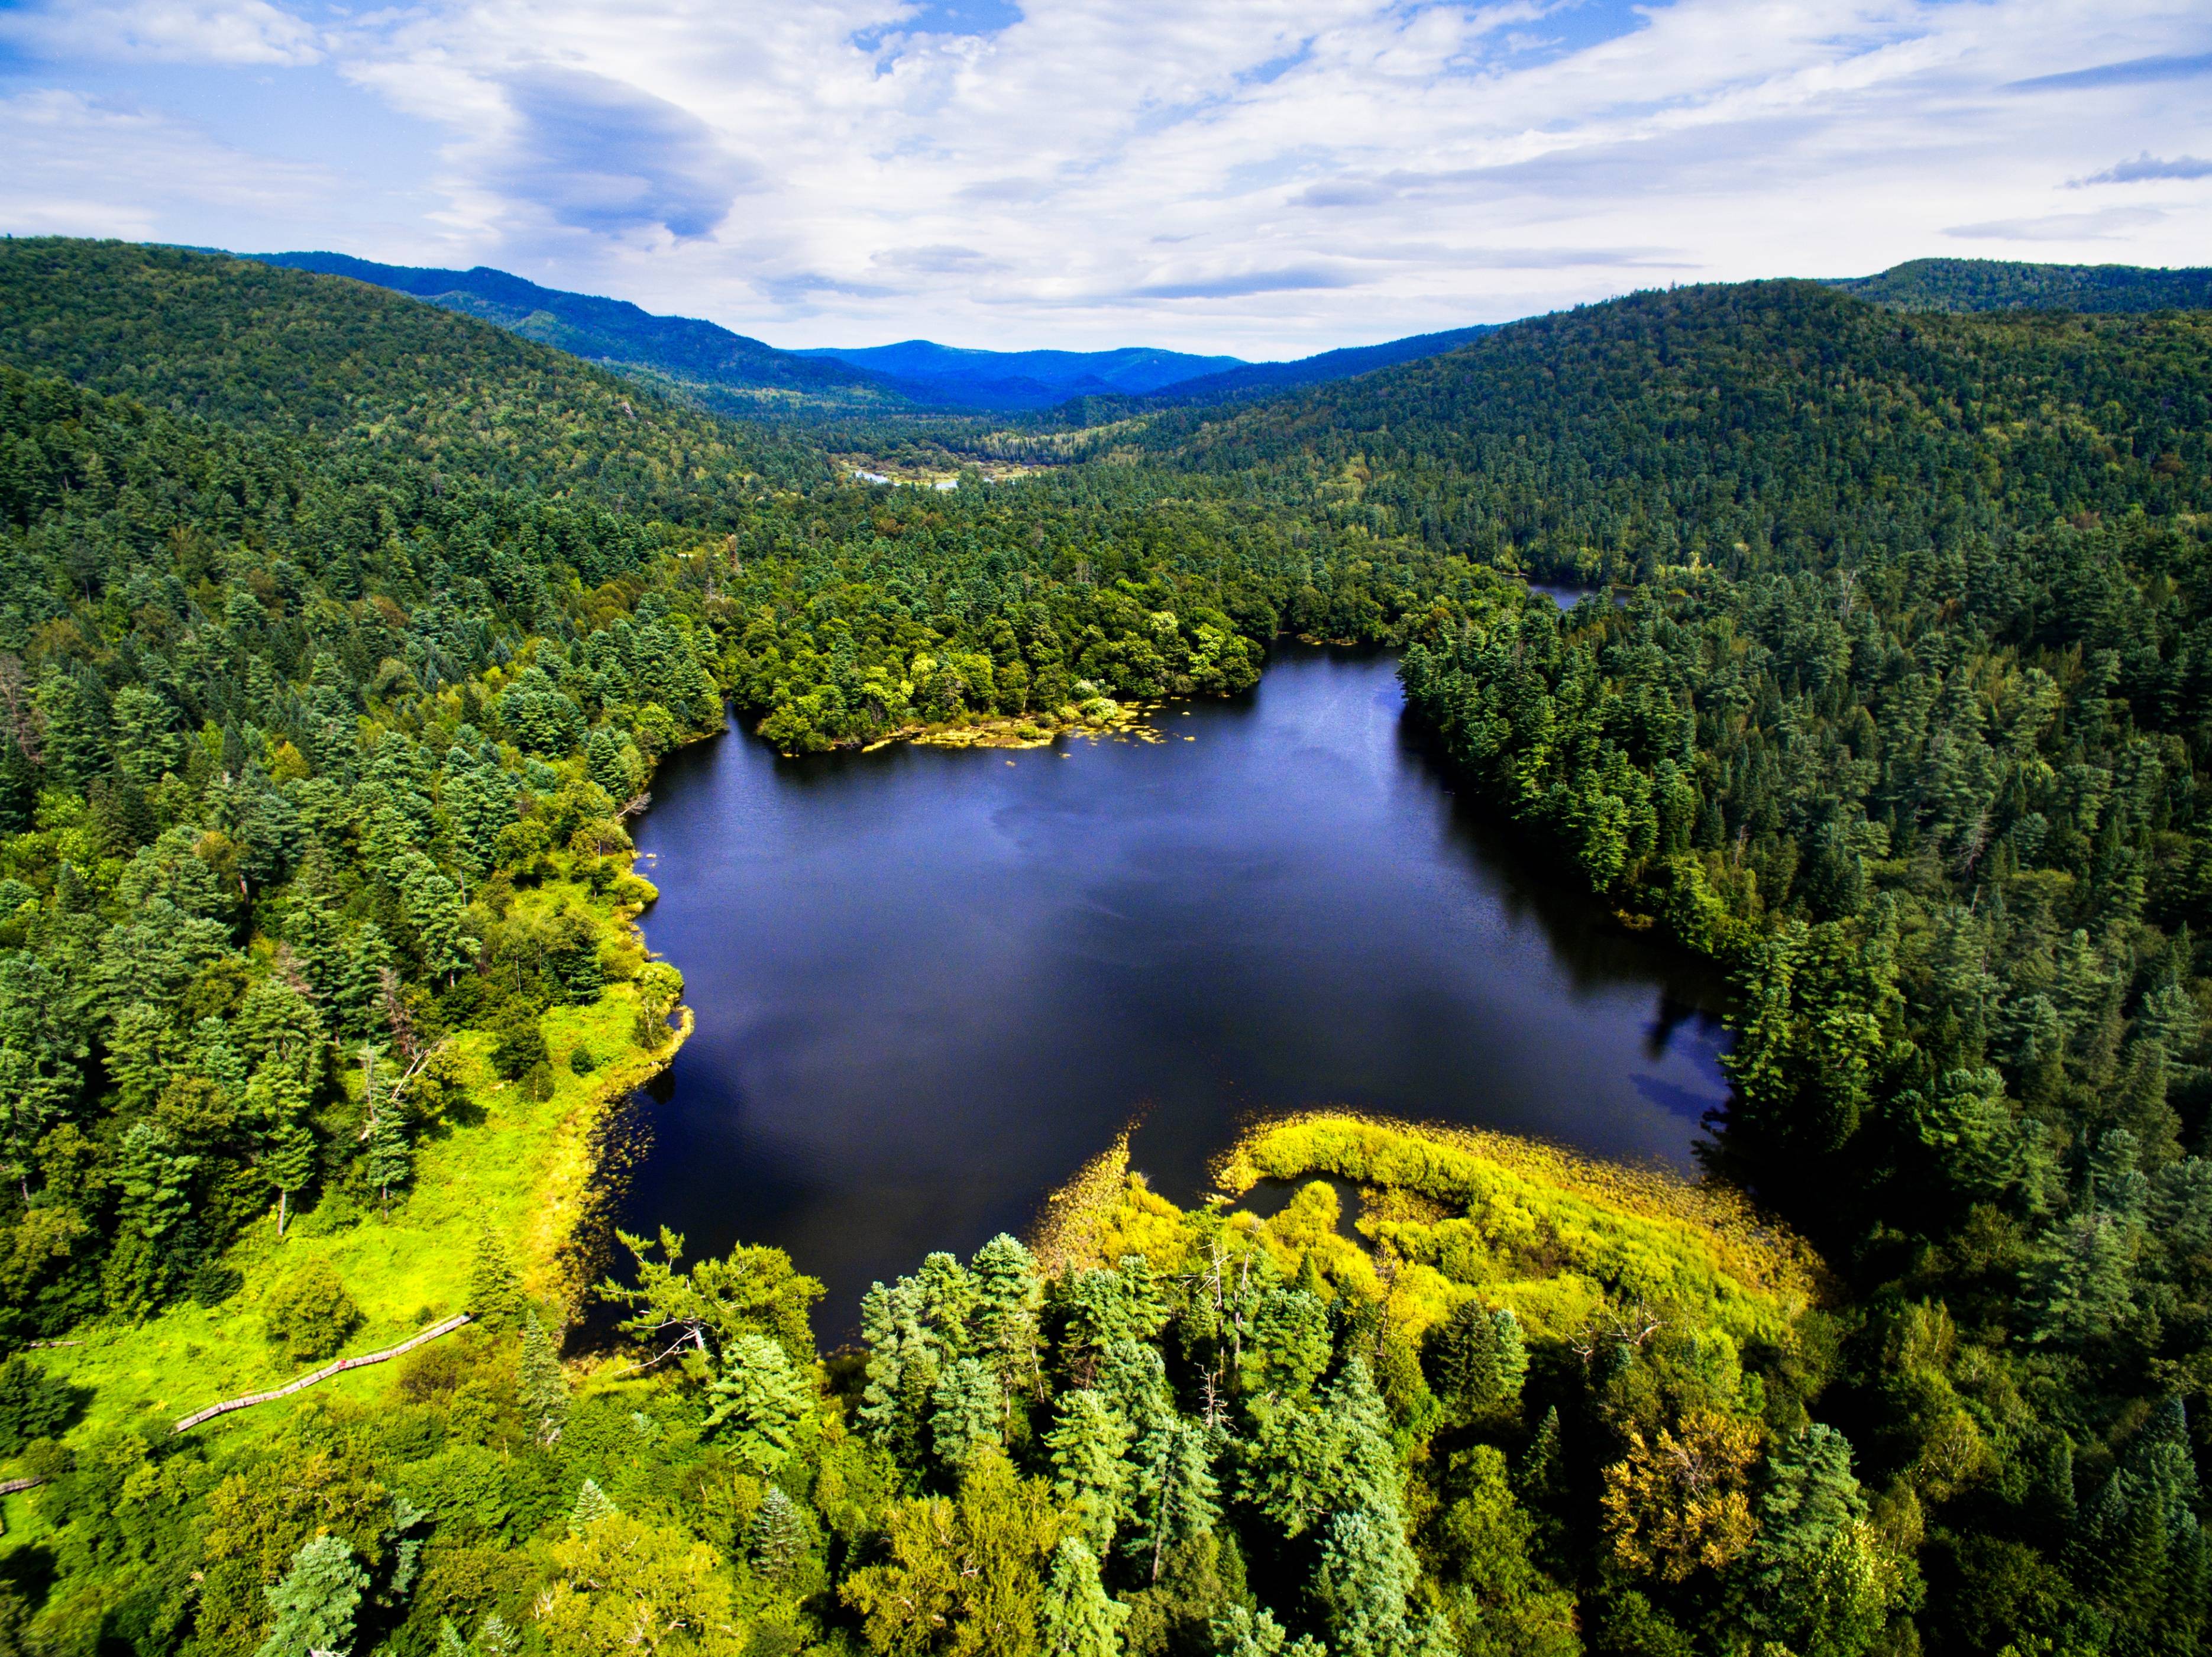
(528,1170)
(1567,1243)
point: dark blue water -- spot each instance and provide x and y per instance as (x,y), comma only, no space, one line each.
(1566,595)
(930,984)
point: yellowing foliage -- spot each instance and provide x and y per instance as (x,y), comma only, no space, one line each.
(1553,1235)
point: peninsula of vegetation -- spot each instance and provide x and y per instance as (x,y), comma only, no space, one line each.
(341,634)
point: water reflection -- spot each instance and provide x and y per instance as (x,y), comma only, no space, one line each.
(930,984)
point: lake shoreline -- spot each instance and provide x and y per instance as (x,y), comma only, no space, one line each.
(927,989)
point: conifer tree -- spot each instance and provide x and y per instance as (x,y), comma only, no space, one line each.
(1087,1441)
(592,1504)
(288,1162)
(496,1299)
(1008,1293)
(1078,1617)
(1477,1359)
(760,1398)
(969,1411)
(1174,1494)
(1289,1346)
(779,1534)
(316,1602)
(359,994)
(1813,1580)
(387,1158)
(1364,1582)
(540,1384)
(1242,1632)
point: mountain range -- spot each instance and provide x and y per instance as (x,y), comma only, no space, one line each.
(930,373)
(736,374)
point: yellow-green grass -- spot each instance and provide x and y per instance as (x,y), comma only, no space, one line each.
(1561,1239)
(529,1168)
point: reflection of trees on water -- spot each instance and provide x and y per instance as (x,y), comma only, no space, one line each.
(1593,947)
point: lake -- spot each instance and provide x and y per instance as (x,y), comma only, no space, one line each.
(931,983)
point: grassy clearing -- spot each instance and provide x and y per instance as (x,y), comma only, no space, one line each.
(1559,1238)
(1570,1244)
(529,1168)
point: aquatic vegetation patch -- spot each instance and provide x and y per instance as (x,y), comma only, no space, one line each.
(1554,1236)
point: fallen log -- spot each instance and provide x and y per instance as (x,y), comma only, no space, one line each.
(323,1374)
(10,1486)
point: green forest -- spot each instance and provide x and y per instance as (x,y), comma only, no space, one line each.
(341,635)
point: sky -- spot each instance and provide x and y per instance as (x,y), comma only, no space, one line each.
(1262,178)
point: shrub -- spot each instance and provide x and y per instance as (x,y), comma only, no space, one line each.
(310,1313)
(660,988)
(33,1405)
(518,1043)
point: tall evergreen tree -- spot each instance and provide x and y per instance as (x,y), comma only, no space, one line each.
(316,1603)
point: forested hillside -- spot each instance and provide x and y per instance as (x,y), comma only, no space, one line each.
(710,364)
(1771,425)
(280,351)
(339,635)
(333,660)
(2003,285)
(1907,722)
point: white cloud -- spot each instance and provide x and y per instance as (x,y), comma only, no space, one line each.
(2148,168)
(165,30)
(78,166)
(2102,225)
(1276,176)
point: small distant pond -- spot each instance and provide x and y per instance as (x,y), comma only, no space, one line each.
(1566,595)
(930,984)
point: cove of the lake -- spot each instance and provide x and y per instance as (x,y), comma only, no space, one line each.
(931,983)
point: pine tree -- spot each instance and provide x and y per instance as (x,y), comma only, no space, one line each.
(592,1504)
(969,1409)
(779,1536)
(540,1384)
(2141,1550)
(155,1179)
(288,1161)
(761,1397)
(1365,1583)
(1289,1346)
(360,991)
(1363,1462)
(1176,1496)
(1813,1581)
(1243,1633)
(1087,1442)
(388,1158)
(495,1298)
(1133,1381)
(435,911)
(315,1603)
(1477,1358)
(1008,1292)
(1079,1619)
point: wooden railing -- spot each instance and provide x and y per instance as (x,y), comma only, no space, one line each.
(323,1374)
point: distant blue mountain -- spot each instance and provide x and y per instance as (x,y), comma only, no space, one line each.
(727,370)
(1265,379)
(745,376)
(1023,380)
